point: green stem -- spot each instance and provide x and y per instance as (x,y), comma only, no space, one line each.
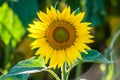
(6,64)
(72,67)
(53,73)
(112,44)
(110,47)
(68,71)
(109,53)
(7,56)
(114,39)
(78,70)
(63,72)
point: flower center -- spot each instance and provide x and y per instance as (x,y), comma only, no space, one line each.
(60,34)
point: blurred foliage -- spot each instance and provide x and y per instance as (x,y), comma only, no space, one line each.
(15,15)
(14,18)
(9,26)
(25,9)
(95,12)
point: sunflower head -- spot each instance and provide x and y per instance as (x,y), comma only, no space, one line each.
(60,36)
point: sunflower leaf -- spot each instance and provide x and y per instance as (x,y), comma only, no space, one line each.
(94,56)
(22,70)
(15,77)
(77,11)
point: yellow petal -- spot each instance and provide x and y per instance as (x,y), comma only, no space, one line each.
(77,53)
(80,47)
(70,55)
(53,59)
(35,31)
(38,43)
(36,35)
(49,54)
(61,58)
(43,17)
(79,17)
(40,25)
(54,14)
(63,14)
(43,50)
(59,15)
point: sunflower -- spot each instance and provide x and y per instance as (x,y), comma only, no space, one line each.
(60,36)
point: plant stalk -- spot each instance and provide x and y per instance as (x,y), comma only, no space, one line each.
(110,53)
(63,72)
(78,70)
(53,73)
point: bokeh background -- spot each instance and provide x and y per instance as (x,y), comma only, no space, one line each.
(15,15)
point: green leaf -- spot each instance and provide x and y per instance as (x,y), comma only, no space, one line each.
(77,11)
(94,56)
(15,77)
(11,28)
(21,70)
(32,62)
